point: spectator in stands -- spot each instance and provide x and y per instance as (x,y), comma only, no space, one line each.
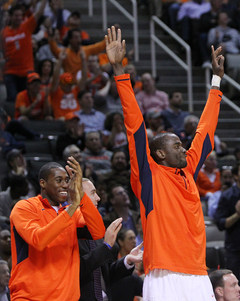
(44,52)
(57,13)
(16,44)
(188,16)
(74,134)
(101,255)
(92,119)
(208,20)
(237,153)
(117,137)
(135,80)
(225,285)
(174,114)
(18,166)
(120,174)
(87,169)
(226,178)
(96,78)
(227,218)
(4,279)
(7,141)
(150,97)
(223,35)
(156,122)
(95,154)
(119,199)
(74,21)
(113,102)
(17,190)
(208,180)
(127,288)
(5,245)
(63,92)
(45,71)
(73,61)
(32,103)
(50,235)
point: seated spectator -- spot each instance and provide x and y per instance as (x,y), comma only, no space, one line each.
(73,134)
(173,114)
(17,190)
(207,21)
(224,36)
(87,169)
(113,102)
(117,137)
(96,78)
(32,103)
(188,16)
(156,122)
(92,119)
(44,52)
(17,49)
(208,180)
(18,166)
(4,280)
(45,71)
(150,97)
(7,141)
(5,245)
(119,199)
(95,154)
(126,240)
(120,174)
(63,92)
(226,178)
(73,61)
(135,80)
(225,285)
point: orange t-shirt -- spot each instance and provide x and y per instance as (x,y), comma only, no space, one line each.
(73,61)
(64,103)
(17,48)
(204,185)
(23,99)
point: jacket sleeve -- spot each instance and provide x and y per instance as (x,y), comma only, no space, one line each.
(54,48)
(118,270)
(94,48)
(203,142)
(92,259)
(141,175)
(27,222)
(92,217)
(222,213)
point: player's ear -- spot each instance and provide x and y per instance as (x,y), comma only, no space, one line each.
(42,183)
(160,153)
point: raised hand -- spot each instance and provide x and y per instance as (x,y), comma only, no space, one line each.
(217,62)
(75,188)
(115,49)
(135,255)
(112,231)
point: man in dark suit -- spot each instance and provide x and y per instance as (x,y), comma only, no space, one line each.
(102,256)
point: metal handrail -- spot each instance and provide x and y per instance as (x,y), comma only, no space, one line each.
(229,80)
(186,66)
(133,18)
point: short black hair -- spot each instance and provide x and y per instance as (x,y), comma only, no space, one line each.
(75,13)
(216,277)
(236,169)
(14,8)
(70,33)
(81,94)
(46,169)
(17,180)
(157,142)
(119,150)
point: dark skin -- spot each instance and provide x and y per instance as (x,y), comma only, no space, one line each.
(172,154)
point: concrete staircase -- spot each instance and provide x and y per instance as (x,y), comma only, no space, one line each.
(171,76)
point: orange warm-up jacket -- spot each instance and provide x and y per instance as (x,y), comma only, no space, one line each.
(45,253)
(171,212)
